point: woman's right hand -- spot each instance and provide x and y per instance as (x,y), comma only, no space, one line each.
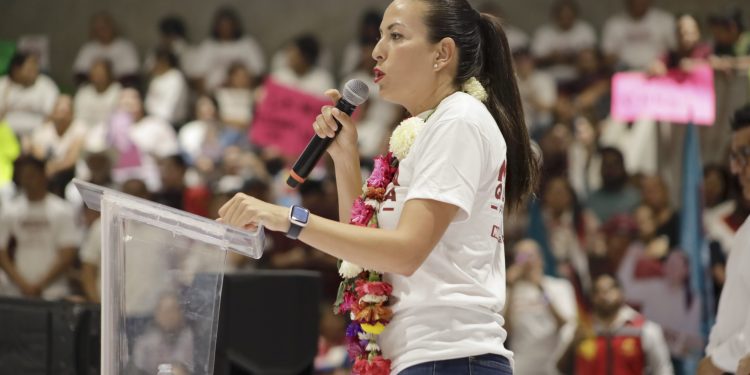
(345,143)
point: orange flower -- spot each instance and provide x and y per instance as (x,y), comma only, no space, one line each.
(373,313)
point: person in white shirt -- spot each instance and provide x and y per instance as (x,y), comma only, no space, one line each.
(139,141)
(227,45)
(729,340)
(440,237)
(46,236)
(96,100)
(106,44)
(26,96)
(538,92)
(166,97)
(539,308)
(302,72)
(633,40)
(556,45)
(173,37)
(59,142)
(235,98)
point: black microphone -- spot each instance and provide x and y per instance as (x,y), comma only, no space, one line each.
(355,93)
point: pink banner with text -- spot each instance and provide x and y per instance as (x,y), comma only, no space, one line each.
(679,97)
(284,117)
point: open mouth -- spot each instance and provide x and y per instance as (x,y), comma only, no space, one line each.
(378,75)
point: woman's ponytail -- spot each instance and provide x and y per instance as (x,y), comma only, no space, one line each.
(504,102)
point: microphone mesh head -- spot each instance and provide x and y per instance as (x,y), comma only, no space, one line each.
(355,92)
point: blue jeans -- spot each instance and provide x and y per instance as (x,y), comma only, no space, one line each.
(486,364)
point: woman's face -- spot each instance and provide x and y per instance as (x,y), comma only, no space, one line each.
(99,75)
(240,77)
(205,109)
(688,32)
(28,72)
(404,55)
(225,28)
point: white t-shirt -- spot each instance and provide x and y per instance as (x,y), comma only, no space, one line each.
(315,82)
(94,107)
(235,104)
(535,336)
(41,230)
(550,38)
(451,306)
(56,146)
(214,57)
(26,108)
(638,143)
(729,340)
(638,43)
(121,53)
(167,97)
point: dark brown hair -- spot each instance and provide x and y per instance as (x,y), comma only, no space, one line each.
(483,52)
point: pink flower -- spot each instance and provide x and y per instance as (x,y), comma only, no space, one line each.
(382,173)
(361,213)
(350,300)
(377,366)
(377,288)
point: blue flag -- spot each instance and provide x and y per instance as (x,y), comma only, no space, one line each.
(691,224)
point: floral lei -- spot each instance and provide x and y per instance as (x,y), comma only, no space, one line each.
(363,293)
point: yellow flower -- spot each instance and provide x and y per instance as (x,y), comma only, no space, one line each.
(374,329)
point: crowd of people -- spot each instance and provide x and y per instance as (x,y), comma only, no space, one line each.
(596,251)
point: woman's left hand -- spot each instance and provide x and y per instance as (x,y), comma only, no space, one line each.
(244,211)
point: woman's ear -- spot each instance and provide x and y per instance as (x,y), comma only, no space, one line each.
(445,52)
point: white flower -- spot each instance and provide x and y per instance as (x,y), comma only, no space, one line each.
(366,336)
(404,136)
(474,88)
(349,270)
(371,298)
(372,347)
(373,203)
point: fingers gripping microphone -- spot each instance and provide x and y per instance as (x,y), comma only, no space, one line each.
(355,93)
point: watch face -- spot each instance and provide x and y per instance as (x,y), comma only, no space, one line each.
(300,214)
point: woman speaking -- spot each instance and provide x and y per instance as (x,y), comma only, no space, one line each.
(424,270)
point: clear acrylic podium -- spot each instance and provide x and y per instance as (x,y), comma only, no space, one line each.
(155,311)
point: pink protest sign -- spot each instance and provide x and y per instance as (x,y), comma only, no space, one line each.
(680,97)
(284,117)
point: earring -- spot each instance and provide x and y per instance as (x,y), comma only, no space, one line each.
(435,66)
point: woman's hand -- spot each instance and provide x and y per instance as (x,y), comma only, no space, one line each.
(246,212)
(345,144)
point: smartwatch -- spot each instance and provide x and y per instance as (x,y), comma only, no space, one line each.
(298,217)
